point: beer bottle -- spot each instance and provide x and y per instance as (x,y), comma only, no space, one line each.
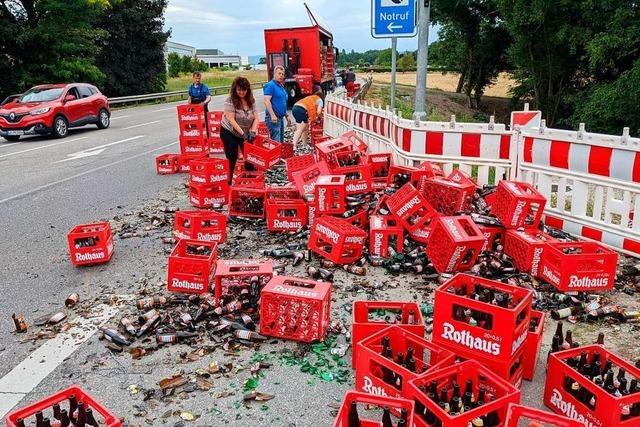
(73,405)
(482,392)
(401,423)
(243,334)
(46,422)
(559,332)
(354,418)
(493,420)
(39,419)
(386,417)
(600,339)
(56,411)
(568,340)
(89,418)
(64,418)
(555,346)
(444,395)
(80,418)
(433,390)
(128,326)
(563,313)
(115,337)
(19,422)
(149,325)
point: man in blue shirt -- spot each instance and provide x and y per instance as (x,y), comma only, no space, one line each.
(199,92)
(275,102)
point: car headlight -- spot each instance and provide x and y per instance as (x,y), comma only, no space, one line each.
(40,111)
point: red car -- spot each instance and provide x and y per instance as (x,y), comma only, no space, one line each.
(53,109)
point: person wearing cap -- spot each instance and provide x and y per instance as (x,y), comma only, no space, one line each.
(307,110)
(275,102)
(198,91)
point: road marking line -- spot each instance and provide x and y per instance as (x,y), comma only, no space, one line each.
(119,117)
(51,184)
(141,124)
(94,151)
(164,109)
(43,146)
(26,376)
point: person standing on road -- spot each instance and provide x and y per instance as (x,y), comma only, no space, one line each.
(305,111)
(275,102)
(199,92)
(239,122)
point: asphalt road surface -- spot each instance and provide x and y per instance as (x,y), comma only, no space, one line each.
(48,186)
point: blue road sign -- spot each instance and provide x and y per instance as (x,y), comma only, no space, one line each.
(394,18)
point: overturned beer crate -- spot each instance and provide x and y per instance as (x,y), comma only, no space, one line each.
(191,266)
(285,215)
(526,248)
(381,367)
(241,279)
(518,204)
(331,194)
(367,400)
(298,163)
(200,225)
(90,243)
(167,164)
(305,179)
(206,195)
(454,243)
(380,164)
(295,309)
(384,233)
(410,208)
(337,240)
(262,153)
(448,196)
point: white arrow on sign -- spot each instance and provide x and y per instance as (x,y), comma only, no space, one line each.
(94,151)
(391,27)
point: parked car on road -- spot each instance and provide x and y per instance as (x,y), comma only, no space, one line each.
(53,110)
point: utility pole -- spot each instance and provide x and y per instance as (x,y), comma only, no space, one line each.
(423,59)
(394,46)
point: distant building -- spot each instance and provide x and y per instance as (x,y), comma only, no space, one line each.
(215,58)
(179,48)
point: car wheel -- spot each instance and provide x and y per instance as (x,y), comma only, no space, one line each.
(103,119)
(60,127)
(12,138)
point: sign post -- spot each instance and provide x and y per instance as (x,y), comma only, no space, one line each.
(393,19)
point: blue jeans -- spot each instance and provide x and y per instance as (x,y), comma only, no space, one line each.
(276,130)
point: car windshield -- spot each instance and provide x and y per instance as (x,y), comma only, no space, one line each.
(41,94)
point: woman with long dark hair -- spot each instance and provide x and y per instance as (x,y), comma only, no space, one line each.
(240,121)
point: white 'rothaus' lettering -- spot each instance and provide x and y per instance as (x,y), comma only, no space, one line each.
(254,159)
(294,291)
(90,256)
(588,282)
(330,234)
(570,410)
(357,187)
(466,339)
(377,243)
(519,341)
(550,275)
(321,197)
(287,224)
(517,212)
(368,387)
(186,117)
(210,237)
(407,206)
(189,133)
(455,257)
(535,261)
(189,149)
(354,239)
(185,284)
(451,225)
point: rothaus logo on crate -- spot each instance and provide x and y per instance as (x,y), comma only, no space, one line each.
(517,212)
(322,195)
(368,387)
(486,236)
(208,200)
(466,339)
(377,243)
(287,224)
(535,261)
(180,235)
(191,133)
(376,159)
(354,239)
(91,256)
(254,159)
(422,233)
(328,233)
(236,262)
(363,186)
(457,254)
(514,188)
(588,282)
(309,188)
(451,226)
(221,177)
(209,237)
(189,118)
(408,206)
(570,410)
(186,285)
(295,291)
(193,149)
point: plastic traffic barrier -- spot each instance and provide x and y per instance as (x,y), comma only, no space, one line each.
(454,243)
(190,268)
(241,279)
(384,232)
(90,243)
(167,164)
(382,371)
(518,204)
(498,395)
(295,309)
(370,317)
(100,412)
(575,395)
(337,240)
(517,414)
(305,179)
(205,195)
(298,163)
(410,208)
(449,196)
(330,194)
(262,153)
(247,201)
(285,215)
(532,345)
(200,225)
(578,266)
(396,405)
(209,171)
(526,248)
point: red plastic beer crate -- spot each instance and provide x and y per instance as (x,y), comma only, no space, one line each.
(286,215)
(337,240)
(193,130)
(608,409)
(90,243)
(287,150)
(421,235)
(430,169)
(359,219)
(331,193)
(588,267)
(365,324)
(448,196)
(532,346)
(167,164)
(283,192)
(247,202)
(454,243)
(215,145)
(305,179)
(232,279)
(295,309)
(526,248)
(357,142)
(502,392)
(214,123)
(395,404)
(372,367)
(517,414)
(410,208)
(327,149)
(191,113)
(518,204)
(252,179)
(384,231)
(205,195)
(193,147)
(358,179)
(189,272)
(209,171)
(100,413)
(200,225)
(185,159)
(504,330)
(320,139)
(297,163)
(262,152)
(311,209)
(263,130)
(380,164)
(395,179)
(491,235)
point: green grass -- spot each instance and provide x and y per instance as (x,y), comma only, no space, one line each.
(215,78)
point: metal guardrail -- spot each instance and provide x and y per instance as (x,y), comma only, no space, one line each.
(164,95)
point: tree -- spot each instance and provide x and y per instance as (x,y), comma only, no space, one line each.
(187,64)
(407,62)
(44,41)
(174,64)
(132,55)
(384,57)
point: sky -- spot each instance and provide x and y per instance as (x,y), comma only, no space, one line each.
(236,26)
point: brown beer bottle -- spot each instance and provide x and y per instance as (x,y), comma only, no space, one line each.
(354,418)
